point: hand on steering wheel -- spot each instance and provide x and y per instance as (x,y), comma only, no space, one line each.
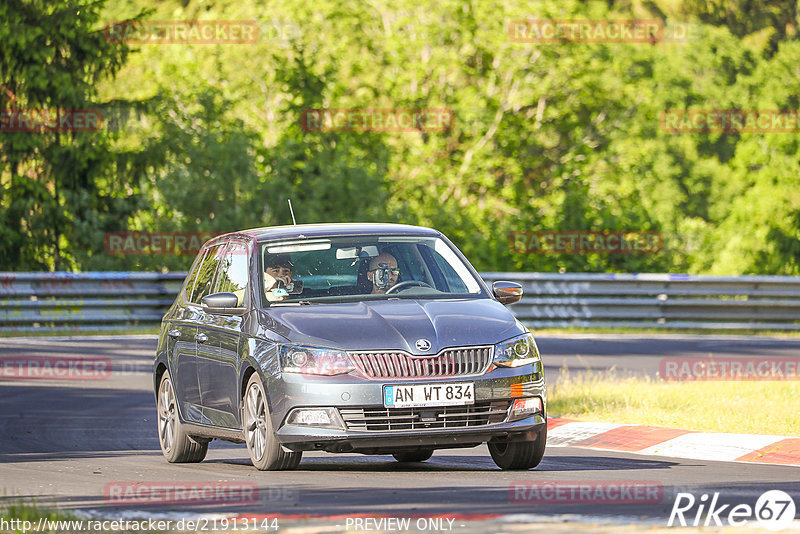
(407,283)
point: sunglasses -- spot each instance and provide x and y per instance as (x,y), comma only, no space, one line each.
(393,271)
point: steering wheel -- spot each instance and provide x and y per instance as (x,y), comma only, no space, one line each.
(408,283)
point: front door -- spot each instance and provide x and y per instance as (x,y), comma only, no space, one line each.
(218,356)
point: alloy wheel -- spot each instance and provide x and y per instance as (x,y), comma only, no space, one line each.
(256,421)
(166,415)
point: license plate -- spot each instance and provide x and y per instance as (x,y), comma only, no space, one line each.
(424,395)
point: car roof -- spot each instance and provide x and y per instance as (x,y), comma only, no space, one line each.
(301,231)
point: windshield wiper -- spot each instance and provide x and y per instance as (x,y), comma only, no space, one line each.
(292,303)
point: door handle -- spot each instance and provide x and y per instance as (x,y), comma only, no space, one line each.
(201,338)
(174,333)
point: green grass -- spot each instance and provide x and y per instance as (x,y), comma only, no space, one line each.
(749,407)
(121,331)
(153,330)
(29,512)
(668,331)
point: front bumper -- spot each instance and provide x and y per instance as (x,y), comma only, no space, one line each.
(297,438)
(347,392)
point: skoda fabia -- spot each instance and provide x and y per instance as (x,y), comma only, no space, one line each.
(365,338)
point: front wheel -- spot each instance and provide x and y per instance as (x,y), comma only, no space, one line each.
(519,454)
(265,451)
(176,445)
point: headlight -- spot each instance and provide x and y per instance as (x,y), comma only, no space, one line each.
(518,351)
(314,360)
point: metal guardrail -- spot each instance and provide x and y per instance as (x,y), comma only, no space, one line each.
(45,302)
(656,300)
(35,302)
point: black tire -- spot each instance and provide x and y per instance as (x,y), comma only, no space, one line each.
(265,451)
(413,456)
(176,445)
(516,455)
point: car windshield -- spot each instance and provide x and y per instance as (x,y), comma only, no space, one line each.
(341,269)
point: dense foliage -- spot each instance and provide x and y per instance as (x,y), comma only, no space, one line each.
(546,136)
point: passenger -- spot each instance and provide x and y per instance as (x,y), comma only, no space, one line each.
(278,277)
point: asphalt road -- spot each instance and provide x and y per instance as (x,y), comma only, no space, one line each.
(67,442)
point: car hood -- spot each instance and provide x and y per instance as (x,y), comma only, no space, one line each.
(395,324)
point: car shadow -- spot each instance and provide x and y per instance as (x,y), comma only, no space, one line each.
(441,462)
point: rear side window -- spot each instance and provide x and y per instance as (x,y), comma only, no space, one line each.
(205,274)
(233,271)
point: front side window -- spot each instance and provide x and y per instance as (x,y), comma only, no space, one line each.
(364,268)
(192,278)
(205,276)
(233,271)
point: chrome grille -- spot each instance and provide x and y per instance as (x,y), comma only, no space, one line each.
(462,361)
(391,419)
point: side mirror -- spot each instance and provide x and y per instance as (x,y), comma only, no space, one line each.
(222,304)
(507,292)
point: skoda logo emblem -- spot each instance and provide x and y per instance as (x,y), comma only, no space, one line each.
(423,345)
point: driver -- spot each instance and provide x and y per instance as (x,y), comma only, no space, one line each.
(278,277)
(383,272)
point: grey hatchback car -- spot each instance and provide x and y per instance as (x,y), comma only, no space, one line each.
(364,338)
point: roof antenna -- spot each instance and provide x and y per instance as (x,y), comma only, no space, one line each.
(294,222)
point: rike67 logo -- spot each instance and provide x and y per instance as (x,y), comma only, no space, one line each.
(774,510)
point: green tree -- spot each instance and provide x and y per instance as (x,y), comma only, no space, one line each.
(55,185)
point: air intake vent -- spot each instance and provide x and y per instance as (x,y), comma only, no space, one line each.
(386,419)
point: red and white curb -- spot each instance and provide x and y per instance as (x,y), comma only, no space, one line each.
(659,441)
